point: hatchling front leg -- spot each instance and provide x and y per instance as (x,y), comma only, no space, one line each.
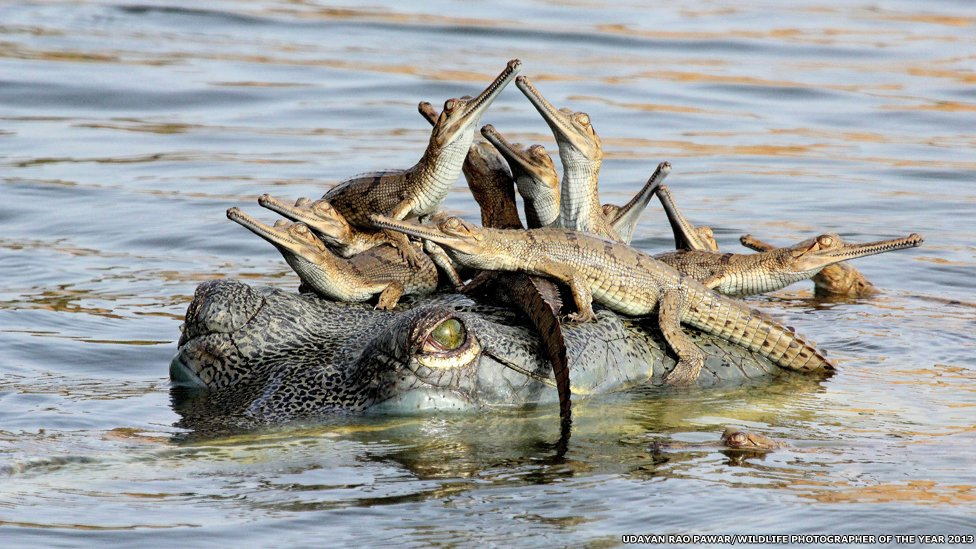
(390,296)
(407,250)
(690,358)
(583,297)
(442,260)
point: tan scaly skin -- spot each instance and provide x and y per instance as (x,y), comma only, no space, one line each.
(419,190)
(686,235)
(738,444)
(624,218)
(488,178)
(581,154)
(379,270)
(749,274)
(535,177)
(328,224)
(491,186)
(625,280)
(536,297)
(735,438)
(837,280)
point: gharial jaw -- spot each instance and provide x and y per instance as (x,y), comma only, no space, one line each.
(293,239)
(465,243)
(534,173)
(686,235)
(816,253)
(571,129)
(319,215)
(533,161)
(461,115)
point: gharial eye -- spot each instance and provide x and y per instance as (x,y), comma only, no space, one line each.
(826,241)
(583,118)
(739,438)
(451,223)
(448,345)
(451,104)
(447,336)
(300,228)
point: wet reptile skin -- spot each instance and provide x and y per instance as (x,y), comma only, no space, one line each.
(772,269)
(419,190)
(581,154)
(625,280)
(269,356)
(749,274)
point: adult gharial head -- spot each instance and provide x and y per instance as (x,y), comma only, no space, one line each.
(263,355)
(461,116)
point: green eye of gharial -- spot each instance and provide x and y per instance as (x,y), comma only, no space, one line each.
(449,335)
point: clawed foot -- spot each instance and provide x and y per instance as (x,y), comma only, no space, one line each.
(686,372)
(408,251)
(389,297)
(582,316)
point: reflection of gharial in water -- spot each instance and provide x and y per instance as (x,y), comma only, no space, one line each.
(269,356)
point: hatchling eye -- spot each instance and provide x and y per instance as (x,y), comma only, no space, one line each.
(583,118)
(451,104)
(300,229)
(447,336)
(826,241)
(739,438)
(323,207)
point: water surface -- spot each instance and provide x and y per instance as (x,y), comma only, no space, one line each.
(127,129)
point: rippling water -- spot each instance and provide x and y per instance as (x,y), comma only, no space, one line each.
(127,129)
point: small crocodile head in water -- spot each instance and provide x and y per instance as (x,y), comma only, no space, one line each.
(738,439)
(462,115)
(816,253)
(573,131)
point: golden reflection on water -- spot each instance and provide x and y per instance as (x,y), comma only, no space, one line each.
(891,427)
(915,492)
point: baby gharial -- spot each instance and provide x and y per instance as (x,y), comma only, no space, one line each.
(382,270)
(625,280)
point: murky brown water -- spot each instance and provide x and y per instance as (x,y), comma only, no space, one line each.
(126,130)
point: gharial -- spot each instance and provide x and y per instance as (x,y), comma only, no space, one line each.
(772,268)
(266,355)
(625,280)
